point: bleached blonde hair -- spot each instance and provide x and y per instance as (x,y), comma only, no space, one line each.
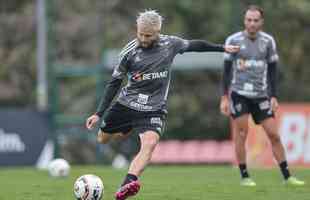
(150,18)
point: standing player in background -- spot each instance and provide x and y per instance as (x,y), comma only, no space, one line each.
(141,105)
(249,85)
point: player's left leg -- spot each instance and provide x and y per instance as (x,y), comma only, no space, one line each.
(270,128)
(263,114)
(131,185)
(104,138)
(269,125)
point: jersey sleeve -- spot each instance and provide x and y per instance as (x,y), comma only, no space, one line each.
(180,45)
(121,68)
(119,72)
(272,54)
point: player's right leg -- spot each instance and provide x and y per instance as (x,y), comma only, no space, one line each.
(239,106)
(240,125)
(240,129)
(150,127)
(131,186)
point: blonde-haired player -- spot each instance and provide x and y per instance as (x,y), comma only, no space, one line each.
(141,105)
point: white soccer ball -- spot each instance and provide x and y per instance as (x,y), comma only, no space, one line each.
(88,187)
(59,168)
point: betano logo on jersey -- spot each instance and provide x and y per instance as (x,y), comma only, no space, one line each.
(243,64)
(150,76)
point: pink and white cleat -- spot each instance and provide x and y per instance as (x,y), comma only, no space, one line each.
(130,189)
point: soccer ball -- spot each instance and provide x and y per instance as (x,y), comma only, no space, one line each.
(88,187)
(59,168)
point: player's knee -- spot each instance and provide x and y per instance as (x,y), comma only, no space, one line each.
(274,138)
(242,130)
(150,144)
(103,138)
(149,141)
(241,134)
(121,135)
(117,136)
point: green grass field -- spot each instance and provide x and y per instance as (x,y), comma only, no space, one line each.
(158,183)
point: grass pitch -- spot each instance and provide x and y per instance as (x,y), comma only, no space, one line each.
(158,183)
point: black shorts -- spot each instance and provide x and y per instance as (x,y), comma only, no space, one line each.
(121,119)
(259,108)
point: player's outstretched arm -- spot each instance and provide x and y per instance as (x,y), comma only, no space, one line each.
(231,48)
(203,46)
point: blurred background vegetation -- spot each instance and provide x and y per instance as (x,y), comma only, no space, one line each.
(84,29)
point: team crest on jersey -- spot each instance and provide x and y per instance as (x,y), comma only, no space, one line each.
(262,45)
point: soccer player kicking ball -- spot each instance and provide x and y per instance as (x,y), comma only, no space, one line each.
(249,85)
(141,105)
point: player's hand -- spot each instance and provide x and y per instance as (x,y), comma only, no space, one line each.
(91,121)
(224,106)
(274,104)
(231,48)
